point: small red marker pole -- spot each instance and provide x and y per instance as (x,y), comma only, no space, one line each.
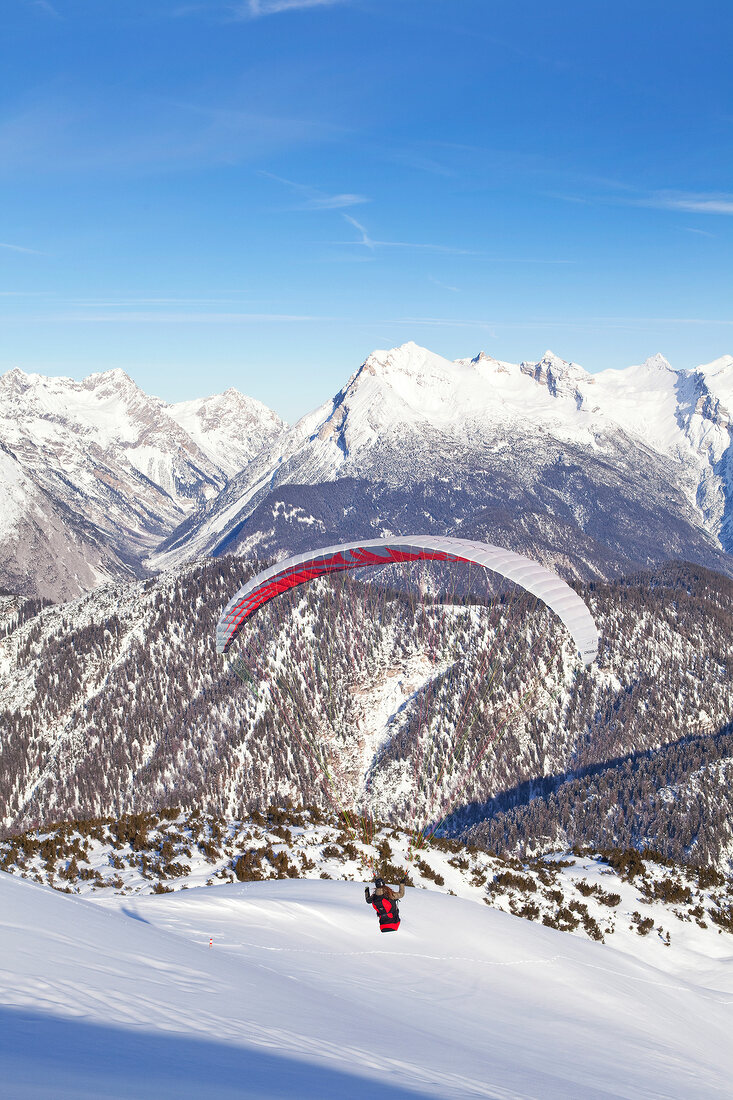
(211,942)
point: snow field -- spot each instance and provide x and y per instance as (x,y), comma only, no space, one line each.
(644,911)
(300,993)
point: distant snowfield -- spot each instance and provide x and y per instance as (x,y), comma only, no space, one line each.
(300,996)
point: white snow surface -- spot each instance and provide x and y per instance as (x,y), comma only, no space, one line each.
(300,996)
(18,494)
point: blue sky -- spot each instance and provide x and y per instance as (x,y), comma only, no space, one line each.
(260,192)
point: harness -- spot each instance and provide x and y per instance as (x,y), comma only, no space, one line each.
(388,913)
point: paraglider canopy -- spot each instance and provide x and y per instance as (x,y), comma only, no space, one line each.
(534,578)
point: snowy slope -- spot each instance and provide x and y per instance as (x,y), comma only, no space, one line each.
(718,377)
(125,465)
(622,461)
(650,907)
(106,421)
(44,547)
(300,996)
(680,415)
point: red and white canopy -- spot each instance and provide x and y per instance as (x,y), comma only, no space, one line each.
(548,587)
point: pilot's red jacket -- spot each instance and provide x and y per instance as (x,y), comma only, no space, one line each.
(386,906)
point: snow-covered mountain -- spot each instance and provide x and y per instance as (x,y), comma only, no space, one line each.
(229,427)
(120,468)
(45,547)
(590,473)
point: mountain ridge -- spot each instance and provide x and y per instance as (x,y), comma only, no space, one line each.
(120,467)
(407,417)
(594,474)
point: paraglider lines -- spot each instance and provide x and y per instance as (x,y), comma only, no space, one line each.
(430,628)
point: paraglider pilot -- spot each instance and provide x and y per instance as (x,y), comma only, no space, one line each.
(384,901)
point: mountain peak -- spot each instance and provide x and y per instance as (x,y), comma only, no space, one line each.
(657,362)
(397,371)
(400,357)
(15,380)
(132,465)
(116,374)
(116,380)
(559,376)
(19,381)
(562,366)
(482,357)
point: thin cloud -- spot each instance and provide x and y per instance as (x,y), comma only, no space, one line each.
(555,322)
(694,203)
(372,245)
(365,238)
(336,202)
(122,303)
(691,202)
(154,134)
(256,9)
(45,7)
(22,248)
(315,199)
(524,260)
(594,322)
(453,322)
(444,286)
(178,317)
(673,320)
(421,163)
(368,242)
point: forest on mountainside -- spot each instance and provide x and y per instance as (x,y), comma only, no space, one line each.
(117,703)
